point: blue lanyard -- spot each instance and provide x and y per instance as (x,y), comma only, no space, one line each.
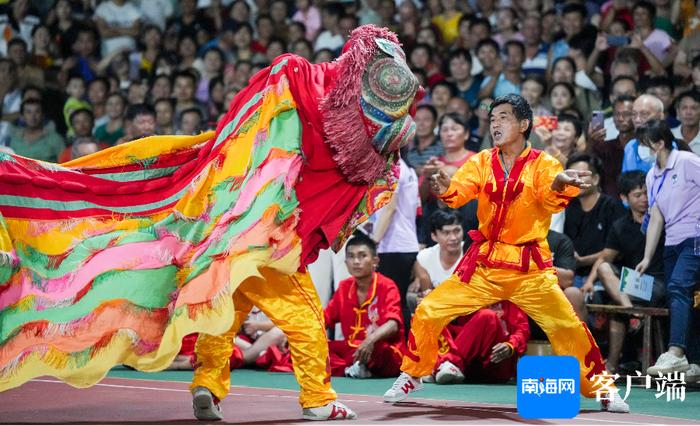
(653,196)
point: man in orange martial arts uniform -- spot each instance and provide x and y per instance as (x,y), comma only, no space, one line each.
(518,189)
(368,308)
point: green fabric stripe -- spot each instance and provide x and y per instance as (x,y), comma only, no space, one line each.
(138,174)
(38,203)
(148,289)
(228,129)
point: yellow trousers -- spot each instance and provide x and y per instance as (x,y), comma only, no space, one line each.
(291,302)
(536,292)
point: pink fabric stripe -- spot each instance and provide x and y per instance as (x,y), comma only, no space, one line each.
(135,256)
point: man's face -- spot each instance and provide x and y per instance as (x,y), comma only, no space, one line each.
(644,111)
(449,238)
(360,261)
(623,116)
(572,23)
(689,112)
(532,31)
(460,68)
(637,200)
(82,125)
(190,123)
(143,125)
(505,127)
(33,116)
(664,93)
(592,180)
(623,87)
(17,54)
(477,33)
(164,114)
(425,123)
(460,106)
(515,58)
(184,89)
(488,56)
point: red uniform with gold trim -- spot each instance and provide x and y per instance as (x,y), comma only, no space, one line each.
(357,320)
(468,341)
(509,259)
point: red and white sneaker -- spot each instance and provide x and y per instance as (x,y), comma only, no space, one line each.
(448,373)
(614,404)
(332,411)
(403,385)
(205,405)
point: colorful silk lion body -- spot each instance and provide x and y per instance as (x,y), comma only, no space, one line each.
(113,258)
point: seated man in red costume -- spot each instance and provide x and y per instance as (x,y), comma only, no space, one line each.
(368,308)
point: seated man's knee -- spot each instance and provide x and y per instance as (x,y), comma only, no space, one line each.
(574,294)
(485,317)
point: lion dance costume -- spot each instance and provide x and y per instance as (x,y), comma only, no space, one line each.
(113,258)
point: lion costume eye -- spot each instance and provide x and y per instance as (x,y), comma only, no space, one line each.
(388,90)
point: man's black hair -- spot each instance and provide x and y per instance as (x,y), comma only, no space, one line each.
(649,8)
(87,111)
(692,94)
(133,111)
(595,165)
(444,217)
(521,109)
(459,53)
(629,181)
(360,239)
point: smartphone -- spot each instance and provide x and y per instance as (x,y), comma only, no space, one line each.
(549,122)
(617,41)
(597,119)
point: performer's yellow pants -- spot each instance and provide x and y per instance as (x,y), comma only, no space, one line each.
(536,292)
(291,302)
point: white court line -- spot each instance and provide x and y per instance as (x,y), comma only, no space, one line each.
(596,420)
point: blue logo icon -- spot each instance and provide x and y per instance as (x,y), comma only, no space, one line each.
(548,387)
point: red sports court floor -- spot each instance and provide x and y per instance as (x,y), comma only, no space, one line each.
(145,401)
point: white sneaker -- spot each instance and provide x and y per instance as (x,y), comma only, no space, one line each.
(448,373)
(428,379)
(668,363)
(205,408)
(331,411)
(614,404)
(403,385)
(358,371)
(693,374)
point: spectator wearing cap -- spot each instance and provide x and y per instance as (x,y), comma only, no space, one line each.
(35,140)
(119,23)
(636,157)
(688,111)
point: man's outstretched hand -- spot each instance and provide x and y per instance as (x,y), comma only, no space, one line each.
(570,177)
(439,182)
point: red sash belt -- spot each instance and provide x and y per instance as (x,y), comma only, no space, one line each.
(467,265)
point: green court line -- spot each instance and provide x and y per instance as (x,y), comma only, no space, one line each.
(642,401)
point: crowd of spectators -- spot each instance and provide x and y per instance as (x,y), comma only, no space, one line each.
(77,76)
